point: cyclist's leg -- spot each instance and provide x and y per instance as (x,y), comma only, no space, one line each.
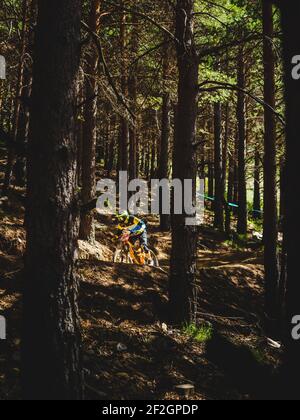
(144,241)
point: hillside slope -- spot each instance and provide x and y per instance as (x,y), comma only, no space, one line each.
(130,351)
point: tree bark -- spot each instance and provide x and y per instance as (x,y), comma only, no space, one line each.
(182,287)
(51,349)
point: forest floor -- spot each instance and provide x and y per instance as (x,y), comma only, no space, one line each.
(130,350)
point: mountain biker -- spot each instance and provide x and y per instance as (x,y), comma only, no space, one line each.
(135,226)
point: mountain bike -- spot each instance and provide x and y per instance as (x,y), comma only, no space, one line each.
(130,251)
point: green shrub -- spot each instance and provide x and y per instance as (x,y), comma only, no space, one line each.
(202,333)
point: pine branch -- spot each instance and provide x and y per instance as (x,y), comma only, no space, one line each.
(97,42)
(229,86)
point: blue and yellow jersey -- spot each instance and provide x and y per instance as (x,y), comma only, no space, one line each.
(135,225)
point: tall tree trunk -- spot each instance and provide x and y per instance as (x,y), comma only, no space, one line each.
(211,180)
(282,191)
(87,230)
(242,187)
(225,149)
(51,334)
(270,187)
(235,169)
(230,187)
(132,90)
(23,130)
(226,171)
(290,25)
(163,164)
(107,130)
(153,157)
(112,146)
(183,289)
(230,197)
(123,163)
(210,158)
(219,186)
(257,179)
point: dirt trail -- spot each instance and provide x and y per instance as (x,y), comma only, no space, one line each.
(130,351)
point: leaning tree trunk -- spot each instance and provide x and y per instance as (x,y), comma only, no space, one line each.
(242,187)
(87,231)
(270,187)
(51,356)
(183,290)
(290,26)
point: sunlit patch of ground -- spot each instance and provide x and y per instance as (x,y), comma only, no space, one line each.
(130,350)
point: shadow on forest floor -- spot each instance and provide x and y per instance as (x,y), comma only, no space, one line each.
(129,305)
(130,351)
